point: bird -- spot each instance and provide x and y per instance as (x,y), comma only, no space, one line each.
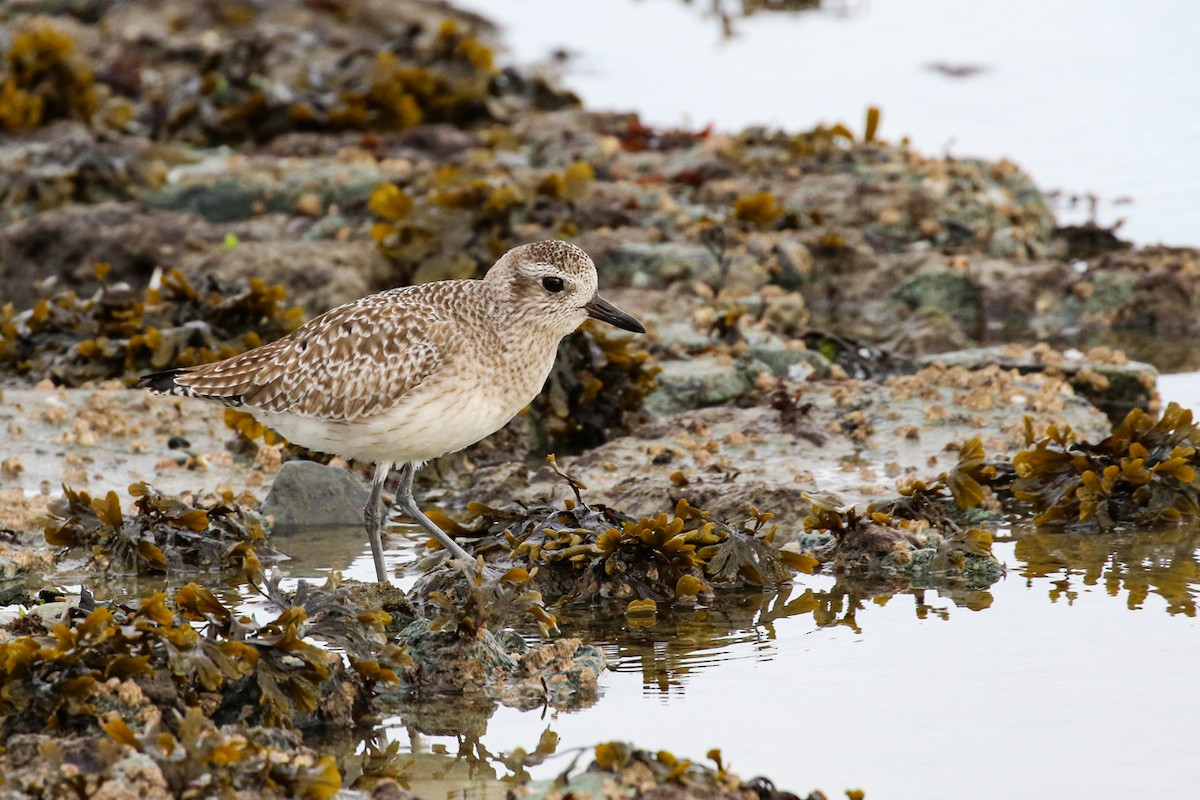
(403,376)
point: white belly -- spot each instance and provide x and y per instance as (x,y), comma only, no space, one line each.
(428,423)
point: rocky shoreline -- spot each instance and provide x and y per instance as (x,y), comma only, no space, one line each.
(859,359)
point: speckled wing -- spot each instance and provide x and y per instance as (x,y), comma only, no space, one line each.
(353,361)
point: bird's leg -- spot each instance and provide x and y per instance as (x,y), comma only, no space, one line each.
(404,499)
(373,517)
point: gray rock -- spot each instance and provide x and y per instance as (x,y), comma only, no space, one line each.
(1004,243)
(697,383)
(224,190)
(657,265)
(795,264)
(794,364)
(306,493)
(220,201)
(951,292)
(646,265)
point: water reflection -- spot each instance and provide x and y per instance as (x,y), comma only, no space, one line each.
(673,644)
(442,768)
(1131,563)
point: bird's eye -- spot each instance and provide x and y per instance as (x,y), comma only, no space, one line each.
(552,284)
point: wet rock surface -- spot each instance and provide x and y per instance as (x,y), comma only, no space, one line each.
(110,437)
(851,438)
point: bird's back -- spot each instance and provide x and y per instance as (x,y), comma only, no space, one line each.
(346,363)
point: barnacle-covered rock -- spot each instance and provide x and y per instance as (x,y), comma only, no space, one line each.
(1105,377)
(1144,473)
(879,544)
(189,756)
(701,383)
(855,438)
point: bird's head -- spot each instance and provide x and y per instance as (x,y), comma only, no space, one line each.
(553,284)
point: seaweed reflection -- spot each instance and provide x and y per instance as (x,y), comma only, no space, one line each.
(1133,563)
(675,642)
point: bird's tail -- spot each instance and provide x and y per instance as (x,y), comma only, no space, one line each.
(196,382)
(164,382)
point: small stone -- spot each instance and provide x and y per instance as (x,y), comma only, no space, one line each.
(765,382)
(890,216)
(309,205)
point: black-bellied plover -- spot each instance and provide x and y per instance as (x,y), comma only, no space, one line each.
(410,374)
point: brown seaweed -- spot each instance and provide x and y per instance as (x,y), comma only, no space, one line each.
(42,79)
(119,333)
(1143,474)
(162,534)
(591,553)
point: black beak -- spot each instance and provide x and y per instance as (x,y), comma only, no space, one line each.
(601,309)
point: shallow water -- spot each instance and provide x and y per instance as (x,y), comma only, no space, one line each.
(1093,97)
(1181,387)
(1071,677)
